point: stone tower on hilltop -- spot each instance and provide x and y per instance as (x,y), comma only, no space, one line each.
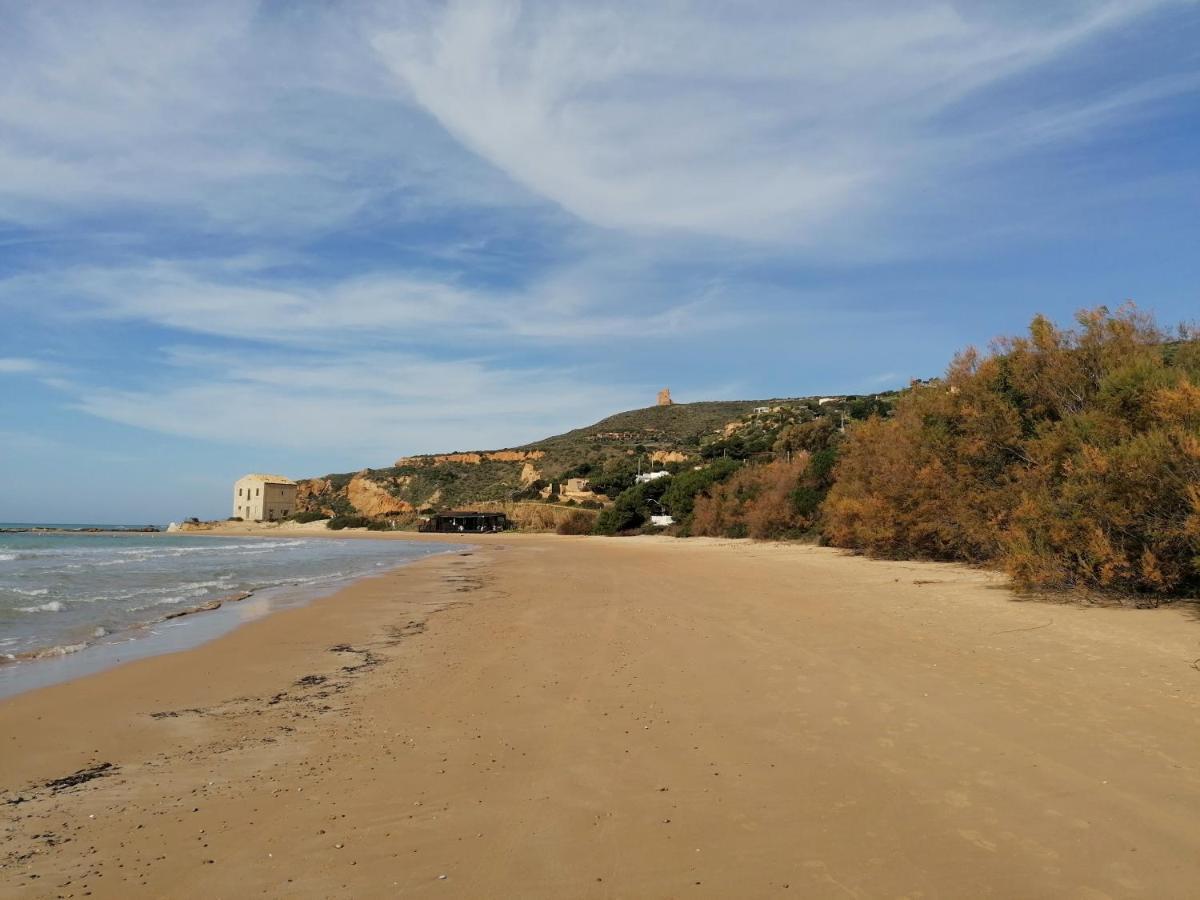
(664,397)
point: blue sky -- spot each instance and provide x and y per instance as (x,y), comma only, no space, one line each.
(313,237)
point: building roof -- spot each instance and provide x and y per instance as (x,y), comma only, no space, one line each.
(271,479)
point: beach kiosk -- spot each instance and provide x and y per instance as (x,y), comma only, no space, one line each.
(465,522)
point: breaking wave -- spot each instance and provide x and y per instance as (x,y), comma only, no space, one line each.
(52,606)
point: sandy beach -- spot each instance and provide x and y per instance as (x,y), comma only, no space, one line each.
(580,717)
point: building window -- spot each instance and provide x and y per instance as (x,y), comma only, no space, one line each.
(257,492)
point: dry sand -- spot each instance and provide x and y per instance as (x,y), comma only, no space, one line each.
(561,717)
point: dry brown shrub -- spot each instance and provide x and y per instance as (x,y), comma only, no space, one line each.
(578,522)
(1071,456)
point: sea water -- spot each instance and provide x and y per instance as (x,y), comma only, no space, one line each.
(61,593)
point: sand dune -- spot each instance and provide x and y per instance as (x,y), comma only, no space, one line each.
(560,717)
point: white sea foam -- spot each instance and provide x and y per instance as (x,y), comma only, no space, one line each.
(52,606)
(37,592)
(60,650)
(7,557)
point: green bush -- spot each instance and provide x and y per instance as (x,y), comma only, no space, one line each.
(337,523)
(632,508)
(679,497)
(307,515)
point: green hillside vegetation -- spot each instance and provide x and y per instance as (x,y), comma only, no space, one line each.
(657,427)
(765,476)
(1068,457)
(608,453)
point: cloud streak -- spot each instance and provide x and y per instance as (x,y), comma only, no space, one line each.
(371,408)
(568,305)
(773,124)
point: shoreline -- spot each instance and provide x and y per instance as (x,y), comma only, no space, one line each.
(176,631)
(546,716)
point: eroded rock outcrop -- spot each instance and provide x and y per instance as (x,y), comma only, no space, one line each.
(668,456)
(370,499)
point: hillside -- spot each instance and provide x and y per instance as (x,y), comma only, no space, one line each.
(607,452)
(680,424)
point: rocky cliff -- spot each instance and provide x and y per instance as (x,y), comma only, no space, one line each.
(607,453)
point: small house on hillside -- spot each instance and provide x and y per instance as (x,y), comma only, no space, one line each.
(258,497)
(651,476)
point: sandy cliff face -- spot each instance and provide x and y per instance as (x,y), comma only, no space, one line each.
(668,456)
(309,492)
(372,500)
(471,459)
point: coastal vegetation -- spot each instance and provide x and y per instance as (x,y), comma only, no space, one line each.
(1069,456)
(609,454)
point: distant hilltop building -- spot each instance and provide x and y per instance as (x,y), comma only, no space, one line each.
(664,397)
(258,498)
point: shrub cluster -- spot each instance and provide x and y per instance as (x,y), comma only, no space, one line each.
(577,522)
(337,523)
(757,501)
(307,515)
(1070,456)
(778,499)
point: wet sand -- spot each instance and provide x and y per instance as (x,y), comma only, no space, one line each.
(581,717)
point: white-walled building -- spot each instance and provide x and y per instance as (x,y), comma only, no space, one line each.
(652,476)
(259,498)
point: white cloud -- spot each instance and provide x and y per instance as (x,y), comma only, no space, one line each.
(793,123)
(764,122)
(371,408)
(226,115)
(15,365)
(581,303)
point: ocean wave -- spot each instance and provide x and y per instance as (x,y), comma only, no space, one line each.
(7,557)
(49,652)
(224,582)
(36,592)
(52,606)
(254,546)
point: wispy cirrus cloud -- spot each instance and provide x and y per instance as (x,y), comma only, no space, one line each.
(16,365)
(229,299)
(803,125)
(370,408)
(777,123)
(232,116)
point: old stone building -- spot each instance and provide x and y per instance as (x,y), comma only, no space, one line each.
(664,397)
(263,497)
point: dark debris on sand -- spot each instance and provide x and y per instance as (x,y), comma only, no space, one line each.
(100,770)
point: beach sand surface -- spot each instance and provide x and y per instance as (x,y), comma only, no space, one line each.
(558,717)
